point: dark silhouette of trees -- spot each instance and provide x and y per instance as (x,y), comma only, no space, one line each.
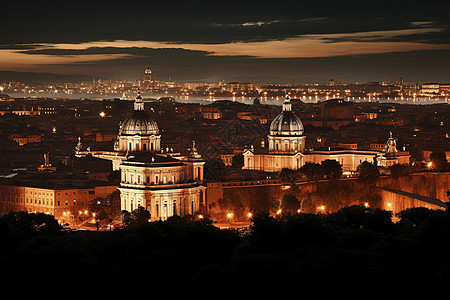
(438,161)
(288,176)
(332,169)
(367,172)
(238,160)
(137,217)
(354,243)
(106,208)
(312,171)
(289,204)
(398,170)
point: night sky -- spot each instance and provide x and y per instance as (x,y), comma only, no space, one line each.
(246,41)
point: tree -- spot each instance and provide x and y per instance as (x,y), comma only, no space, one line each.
(398,170)
(312,171)
(332,169)
(107,207)
(287,176)
(289,203)
(238,160)
(438,161)
(368,172)
(137,217)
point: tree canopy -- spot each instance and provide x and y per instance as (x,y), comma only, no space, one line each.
(368,172)
(355,243)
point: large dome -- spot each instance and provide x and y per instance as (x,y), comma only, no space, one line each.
(139,124)
(286,123)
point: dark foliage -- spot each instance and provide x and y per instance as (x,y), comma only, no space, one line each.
(355,244)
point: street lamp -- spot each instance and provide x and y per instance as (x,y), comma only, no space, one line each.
(249,215)
(229,216)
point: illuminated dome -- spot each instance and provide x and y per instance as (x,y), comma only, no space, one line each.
(139,123)
(286,123)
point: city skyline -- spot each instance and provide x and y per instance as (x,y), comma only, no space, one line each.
(233,41)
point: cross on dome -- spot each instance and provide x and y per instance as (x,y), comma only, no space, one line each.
(287,106)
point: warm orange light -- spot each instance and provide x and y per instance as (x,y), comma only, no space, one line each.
(229,215)
(366,204)
(102,114)
(249,214)
(430,164)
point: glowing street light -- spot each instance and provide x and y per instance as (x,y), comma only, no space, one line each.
(102,114)
(229,216)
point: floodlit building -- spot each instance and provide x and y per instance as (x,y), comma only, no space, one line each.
(391,156)
(64,200)
(164,183)
(286,148)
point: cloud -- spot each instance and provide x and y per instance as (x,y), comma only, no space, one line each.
(214,37)
(304,46)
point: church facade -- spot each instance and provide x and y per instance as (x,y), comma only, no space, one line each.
(164,183)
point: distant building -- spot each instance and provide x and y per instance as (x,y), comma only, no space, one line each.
(148,74)
(337,109)
(334,113)
(430,88)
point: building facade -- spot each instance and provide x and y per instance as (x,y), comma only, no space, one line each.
(42,197)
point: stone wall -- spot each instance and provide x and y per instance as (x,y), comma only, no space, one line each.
(257,196)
